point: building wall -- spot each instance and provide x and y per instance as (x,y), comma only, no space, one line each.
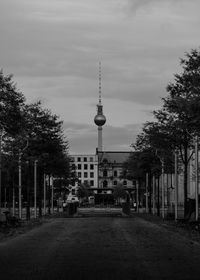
(86,168)
(112,175)
(111,169)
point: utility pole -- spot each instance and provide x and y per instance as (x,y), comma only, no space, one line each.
(196,180)
(35,188)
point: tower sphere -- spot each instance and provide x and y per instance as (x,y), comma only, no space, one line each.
(100,120)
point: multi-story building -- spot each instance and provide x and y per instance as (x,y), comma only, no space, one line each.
(111,171)
(102,171)
(86,168)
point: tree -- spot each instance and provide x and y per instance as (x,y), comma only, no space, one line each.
(181,110)
(83,191)
(11,105)
(178,121)
(43,137)
(119,192)
(11,116)
(46,144)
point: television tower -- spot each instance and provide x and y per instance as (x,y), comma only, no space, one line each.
(100,119)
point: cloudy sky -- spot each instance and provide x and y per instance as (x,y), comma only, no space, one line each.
(53,48)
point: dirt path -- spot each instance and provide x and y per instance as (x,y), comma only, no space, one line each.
(100,248)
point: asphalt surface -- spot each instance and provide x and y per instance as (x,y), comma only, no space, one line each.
(99,248)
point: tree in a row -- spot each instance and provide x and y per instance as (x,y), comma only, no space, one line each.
(29,133)
(177,122)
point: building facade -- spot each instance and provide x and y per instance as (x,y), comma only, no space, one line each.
(110,171)
(86,168)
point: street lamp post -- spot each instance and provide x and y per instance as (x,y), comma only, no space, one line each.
(20,178)
(35,188)
(176,185)
(163,193)
(153,194)
(20,185)
(162,185)
(1,136)
(137,196)
(44,194)
(52,195)
(147,182)
(196,180)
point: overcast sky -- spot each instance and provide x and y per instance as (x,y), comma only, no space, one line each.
(53,48)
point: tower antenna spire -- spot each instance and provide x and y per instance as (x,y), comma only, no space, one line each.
(99,82)
(100,119)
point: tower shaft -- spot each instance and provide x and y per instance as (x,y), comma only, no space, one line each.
(100,141)
(100,119)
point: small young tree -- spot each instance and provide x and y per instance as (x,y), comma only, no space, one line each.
(119,192)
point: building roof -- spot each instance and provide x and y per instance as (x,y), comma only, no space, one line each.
(113,157)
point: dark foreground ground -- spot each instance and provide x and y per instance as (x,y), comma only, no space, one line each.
(100,248)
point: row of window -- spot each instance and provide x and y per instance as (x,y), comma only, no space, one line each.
(105,183)
(105,173)
(85,159)
(85,166)
(86,174)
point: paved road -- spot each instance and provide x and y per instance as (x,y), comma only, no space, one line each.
(99,249)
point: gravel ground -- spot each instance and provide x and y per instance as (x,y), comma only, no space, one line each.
(139,247)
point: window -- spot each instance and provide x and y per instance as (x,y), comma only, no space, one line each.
(105,184)
(105,173)
(91,166)
(115,173)
(85,175)
(73,166)
(85,166)
(115,183)
(91,183)
(79,174)
(85,159)
(78,159)
(125,182)
(79,166)
(91,174)
(85,182)
(91,159)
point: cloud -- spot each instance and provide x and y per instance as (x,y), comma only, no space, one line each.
(135,5)
(83,137)
(53,48)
